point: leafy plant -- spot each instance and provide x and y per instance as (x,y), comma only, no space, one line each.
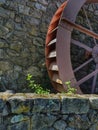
(70,89)
(37,88)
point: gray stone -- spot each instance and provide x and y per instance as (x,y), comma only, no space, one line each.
(68,128)
(94,126)
(37,14)
(2,54)
(75,105)
(40,7)
(25,125)
(9,24)
(38,42)
(94,102)
(3,13)
(6,111)
(3,44)
(19,118)
(79,122)
(17,68)
(65,117)
(12,53)
(19,105)
(16,46)
(2,127)
(39,121)
(46,105)
(43,2)
(60,125)
(5,66)
(93,116)
(2,2)
(48,128)
(34,71)
(2,103)
(3,31)
(24,9)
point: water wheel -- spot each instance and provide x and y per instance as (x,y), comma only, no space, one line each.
(59,43)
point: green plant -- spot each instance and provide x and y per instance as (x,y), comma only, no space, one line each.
(70,89)
(37,88)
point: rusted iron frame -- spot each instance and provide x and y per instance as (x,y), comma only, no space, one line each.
(70,17)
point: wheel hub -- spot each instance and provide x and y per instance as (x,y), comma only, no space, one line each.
(95,54)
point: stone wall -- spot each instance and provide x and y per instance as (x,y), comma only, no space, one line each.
(23,27)
(48,112)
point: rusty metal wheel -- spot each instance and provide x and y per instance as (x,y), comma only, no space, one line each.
(59,42)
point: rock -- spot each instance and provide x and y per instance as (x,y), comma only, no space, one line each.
(2,2)
(93,117)
(75,105)
(38,42)
(24,9)
(9,24)
(94,126)
(2,104)
(6,111)
(17,68)
(45,105)
(19,105)
(94,102)
(43,2)
(2,127)
(60,125)
(79,122)
(39,121)
(5,66)
(16,46)
(2,54)
(4,13)
(34,71)
(40,7)
(3,44)
(48,128)
(20,126)
(3,31)
(68,128)
(12,53)
(19,118)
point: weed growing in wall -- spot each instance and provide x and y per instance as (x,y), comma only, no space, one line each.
(37,88)
(70,89)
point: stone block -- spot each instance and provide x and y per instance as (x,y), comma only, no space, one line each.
(19,118)
(40,121)
(93,102)
(2,104)
(25,125)
(60,125)
(24,9)
(46,105)
(75,105)
(2,2)
(19,105)
(2,127)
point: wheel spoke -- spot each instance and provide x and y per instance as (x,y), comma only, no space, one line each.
(94,81)
(87,77)
(81,66)
(79,28)
(77,43)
